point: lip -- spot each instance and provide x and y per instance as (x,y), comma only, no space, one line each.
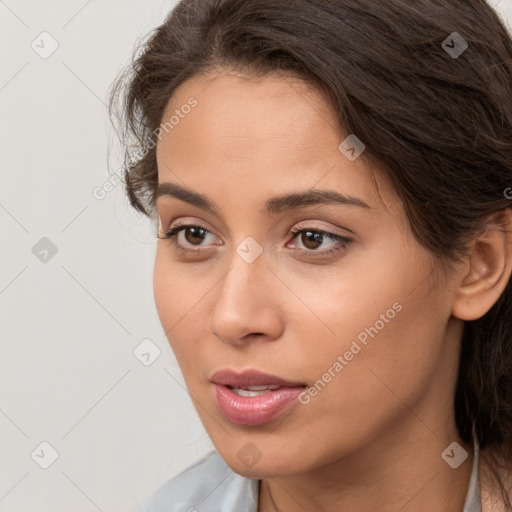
(256,410)
(251,377)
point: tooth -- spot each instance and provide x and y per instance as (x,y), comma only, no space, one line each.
(254,390)
(259,388)
(245,392)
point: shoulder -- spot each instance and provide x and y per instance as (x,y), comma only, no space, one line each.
(208,485)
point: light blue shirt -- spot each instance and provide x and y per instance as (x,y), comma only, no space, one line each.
(209,485)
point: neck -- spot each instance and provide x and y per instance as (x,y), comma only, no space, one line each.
(401,470)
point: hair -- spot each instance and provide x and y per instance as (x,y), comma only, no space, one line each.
(437,125)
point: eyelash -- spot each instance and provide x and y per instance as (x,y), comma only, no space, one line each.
(345,241)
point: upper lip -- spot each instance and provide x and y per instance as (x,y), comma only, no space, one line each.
(250,378)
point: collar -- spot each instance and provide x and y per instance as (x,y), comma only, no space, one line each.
(473,503)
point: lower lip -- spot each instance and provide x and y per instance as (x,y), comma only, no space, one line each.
(256,410)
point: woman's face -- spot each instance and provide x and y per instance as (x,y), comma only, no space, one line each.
(363,324)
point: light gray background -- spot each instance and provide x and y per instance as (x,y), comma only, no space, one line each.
(68,373)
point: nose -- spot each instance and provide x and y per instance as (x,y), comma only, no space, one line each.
(247,305)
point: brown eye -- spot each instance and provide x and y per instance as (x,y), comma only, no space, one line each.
(311,239)
(193,237)
(194,234)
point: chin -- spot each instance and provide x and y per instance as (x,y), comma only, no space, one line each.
(277,465)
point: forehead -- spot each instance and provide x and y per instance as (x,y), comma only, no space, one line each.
(259,134)
(251,110)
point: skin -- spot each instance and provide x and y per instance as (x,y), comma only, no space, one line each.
(372,438)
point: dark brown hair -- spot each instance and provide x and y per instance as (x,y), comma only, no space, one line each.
(438,126)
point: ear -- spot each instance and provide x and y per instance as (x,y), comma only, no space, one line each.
(488,269)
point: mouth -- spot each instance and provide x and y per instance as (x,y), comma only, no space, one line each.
(252,390)
(251,379)
(252,397)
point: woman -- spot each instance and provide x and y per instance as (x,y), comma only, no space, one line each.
(332,186)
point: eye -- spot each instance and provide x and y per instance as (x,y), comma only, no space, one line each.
(193,234)
(312,238)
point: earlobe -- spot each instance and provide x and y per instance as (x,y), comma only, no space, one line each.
(488,269)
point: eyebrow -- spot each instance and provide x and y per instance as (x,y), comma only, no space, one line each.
(274,205)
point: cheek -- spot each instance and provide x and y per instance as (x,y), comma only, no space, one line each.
(164,289)
(174,297)
(176,290)
(355,400)
(181,302)
(385,323)
(378,382)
